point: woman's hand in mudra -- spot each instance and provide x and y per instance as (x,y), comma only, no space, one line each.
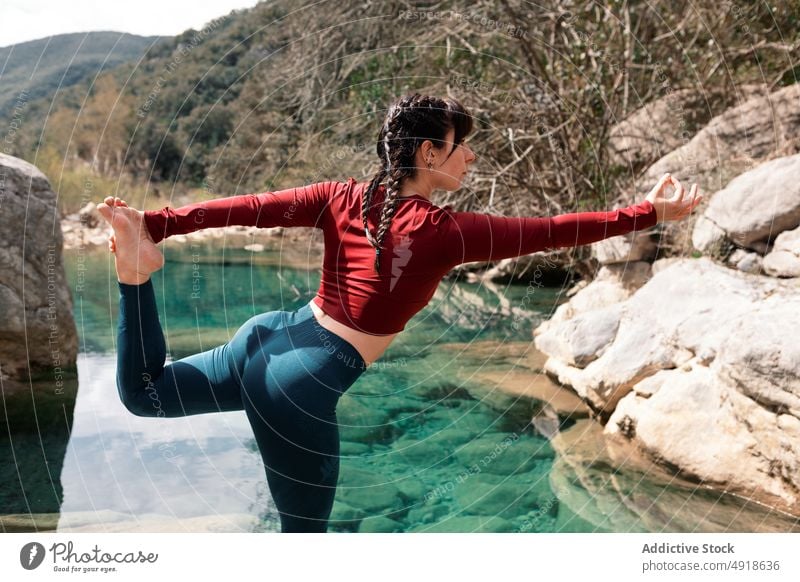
(678,206)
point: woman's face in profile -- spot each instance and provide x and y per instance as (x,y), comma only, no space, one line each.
(448,174)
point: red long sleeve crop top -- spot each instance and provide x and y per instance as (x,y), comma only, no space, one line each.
(424,242)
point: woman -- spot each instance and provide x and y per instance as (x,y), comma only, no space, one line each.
(387,247)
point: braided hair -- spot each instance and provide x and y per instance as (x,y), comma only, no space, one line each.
(410,120)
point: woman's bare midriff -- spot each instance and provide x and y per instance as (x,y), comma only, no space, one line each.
(371,347)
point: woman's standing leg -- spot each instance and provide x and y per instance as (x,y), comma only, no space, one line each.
(293,377)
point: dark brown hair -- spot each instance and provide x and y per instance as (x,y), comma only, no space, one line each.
(410,120)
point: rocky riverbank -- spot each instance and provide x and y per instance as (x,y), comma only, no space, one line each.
(691,364)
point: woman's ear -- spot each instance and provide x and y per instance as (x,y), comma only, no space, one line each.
(426,151)
(426,148)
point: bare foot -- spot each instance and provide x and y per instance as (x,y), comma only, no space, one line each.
(135,254)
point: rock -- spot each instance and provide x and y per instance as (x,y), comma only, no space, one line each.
(627,248)
(89,217)
(463,306)
(255,248)
(411,489)
(510,498)
(784,260)
(754,207)
(351,449)
(722,345)
(362,422)
(651,132)
(549,268)
(733,140)
(708,237)
(426,513)
(712,302)
(607,482)
(379,524)
(344,516)
(426,445)
(746,262)
(752,263)
(505,352)
(664,263)
(37,332)
(368,492)
(582,339)
(503,454)
(535,385)
(692,421)
(515,375)
(764,360)
(782,264)
(613,284)
(466,524)
(29,522)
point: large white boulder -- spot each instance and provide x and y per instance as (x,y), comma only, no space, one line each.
(699,370)
(754,207)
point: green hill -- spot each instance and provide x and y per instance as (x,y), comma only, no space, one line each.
(36,69)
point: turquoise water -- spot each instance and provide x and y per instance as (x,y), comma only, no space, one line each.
(412,434)
(429,442)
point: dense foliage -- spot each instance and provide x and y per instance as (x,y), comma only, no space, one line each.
(286,93)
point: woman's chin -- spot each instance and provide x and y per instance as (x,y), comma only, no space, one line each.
(457,183)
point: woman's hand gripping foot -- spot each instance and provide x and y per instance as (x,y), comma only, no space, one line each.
(135,254)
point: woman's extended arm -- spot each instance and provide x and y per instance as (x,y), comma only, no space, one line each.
(301,206)
(484,237)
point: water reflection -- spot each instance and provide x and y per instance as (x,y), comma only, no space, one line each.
(35,425)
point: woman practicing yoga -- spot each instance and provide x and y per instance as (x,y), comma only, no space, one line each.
(387,247)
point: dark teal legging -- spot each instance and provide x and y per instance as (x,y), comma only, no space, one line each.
(282,368)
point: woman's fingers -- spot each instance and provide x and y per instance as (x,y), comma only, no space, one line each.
(694,198)
(684,208)
(662,183)
(658,190)
(679,190)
